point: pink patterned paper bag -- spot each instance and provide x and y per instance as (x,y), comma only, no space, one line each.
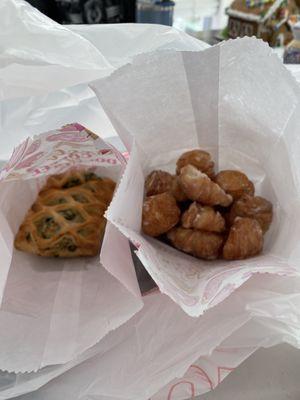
(54,309)
(235,100)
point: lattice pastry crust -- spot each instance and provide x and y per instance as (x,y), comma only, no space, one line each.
(67,219)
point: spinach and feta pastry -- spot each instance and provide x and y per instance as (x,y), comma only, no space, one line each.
(67,219)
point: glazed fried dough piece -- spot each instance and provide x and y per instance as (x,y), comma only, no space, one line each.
(235,183)
(203,218)
(205,245)
(158,182)
(177,191)
(160,214)
(245,239)
(253,207)
(199,187)
(200,159)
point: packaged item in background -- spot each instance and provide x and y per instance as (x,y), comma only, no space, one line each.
(292,51)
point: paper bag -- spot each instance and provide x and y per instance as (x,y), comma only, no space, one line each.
(235,100)
(163,354)
(54,309)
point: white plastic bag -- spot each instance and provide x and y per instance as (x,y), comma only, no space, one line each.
(164,354)
(238,101)
(39,56)
(45,69)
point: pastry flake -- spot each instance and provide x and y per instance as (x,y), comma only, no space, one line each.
(67,219)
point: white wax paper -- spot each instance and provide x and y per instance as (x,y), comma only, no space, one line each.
(54,309)
(239,102)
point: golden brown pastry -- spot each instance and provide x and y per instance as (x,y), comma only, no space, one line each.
(199,187)
(235,183)
(67,219)
(200,244)
(160,214)
(211,209)
(177,191)
(203,218)
(199,159)
(253,207)
(69,179)
(245,239)
(158,182)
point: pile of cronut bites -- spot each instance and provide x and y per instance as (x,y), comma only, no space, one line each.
(206,214)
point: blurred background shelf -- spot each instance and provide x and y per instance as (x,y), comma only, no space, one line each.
(191,16)
(198,16)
